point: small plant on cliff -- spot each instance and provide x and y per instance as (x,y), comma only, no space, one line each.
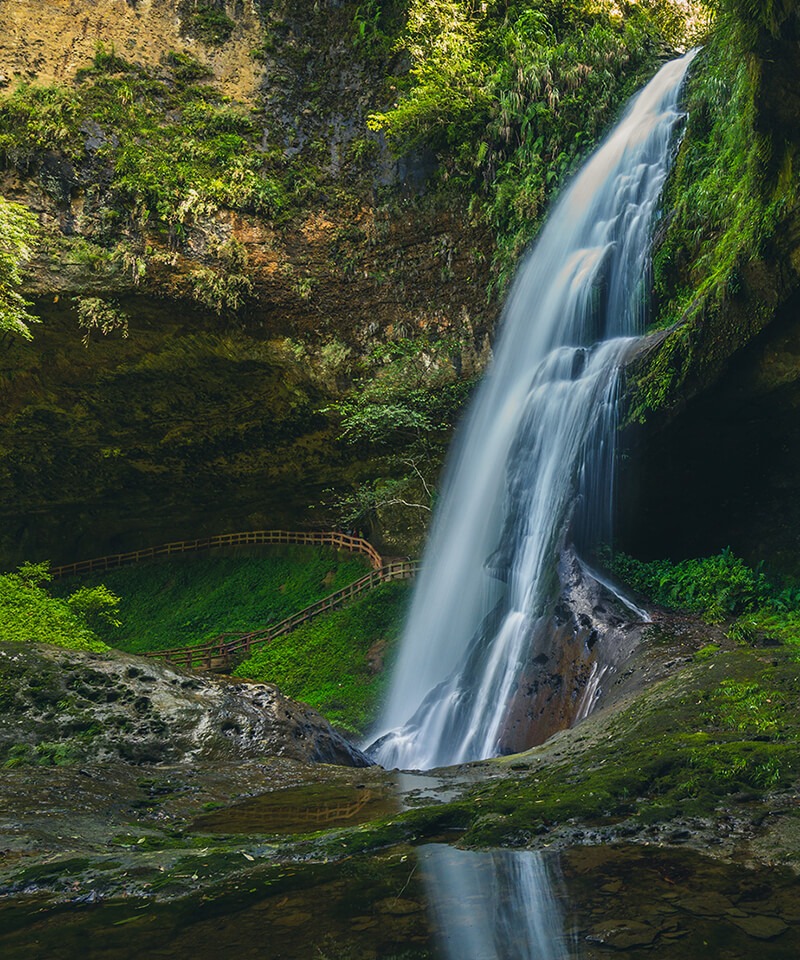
(206,20)
(18,235)
(227,290)
(101,316)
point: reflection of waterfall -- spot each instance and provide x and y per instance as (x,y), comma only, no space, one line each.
(539,442)
(493,906)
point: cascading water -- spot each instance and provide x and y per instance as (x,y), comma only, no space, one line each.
(539,440)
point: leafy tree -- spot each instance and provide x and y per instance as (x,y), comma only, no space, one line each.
(404,408)
(18,235)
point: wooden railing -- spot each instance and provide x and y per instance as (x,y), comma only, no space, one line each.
(341,541)
(223,648)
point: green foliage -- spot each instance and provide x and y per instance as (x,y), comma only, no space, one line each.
(206,20)
(410,393)
(186,68)
(326,663)
(188,600)
(733,188)
(404,406)
(368,36)
(29,614)
(36,119)
(97,606)
(176,151)
(511,95)
(746,706)
(102,316)
(41,755)
(226,290)
(717,587)
(18,236)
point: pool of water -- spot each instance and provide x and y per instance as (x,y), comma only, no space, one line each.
(440,903)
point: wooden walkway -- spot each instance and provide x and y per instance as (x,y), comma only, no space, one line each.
(220,652)
(342,541)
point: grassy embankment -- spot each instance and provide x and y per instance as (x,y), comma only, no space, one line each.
(333,663)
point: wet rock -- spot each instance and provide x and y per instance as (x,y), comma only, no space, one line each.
(709,904)
(156,714)
(761,928)
(397,907)
(624,934)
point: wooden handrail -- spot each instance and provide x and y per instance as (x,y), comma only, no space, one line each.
(225,645)
(342,541)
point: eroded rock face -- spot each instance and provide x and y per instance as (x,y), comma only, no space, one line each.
(59,705)
(580,650)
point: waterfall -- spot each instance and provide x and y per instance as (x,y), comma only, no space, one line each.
(537,450)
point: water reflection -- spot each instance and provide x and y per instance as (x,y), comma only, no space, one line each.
(301,810)
(499,905)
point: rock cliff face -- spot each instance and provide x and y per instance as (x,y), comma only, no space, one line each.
(716,464)
(48,42)
(212,413)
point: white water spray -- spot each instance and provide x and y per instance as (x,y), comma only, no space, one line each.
(539,438)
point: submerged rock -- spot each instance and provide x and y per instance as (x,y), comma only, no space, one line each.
(62,705)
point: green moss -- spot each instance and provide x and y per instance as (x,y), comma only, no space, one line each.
(327,664)
(684,749)
(733,190)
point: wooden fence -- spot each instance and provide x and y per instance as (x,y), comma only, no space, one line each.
(222,649)
(341,541)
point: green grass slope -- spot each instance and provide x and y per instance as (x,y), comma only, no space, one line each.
(191,599)
(335,663)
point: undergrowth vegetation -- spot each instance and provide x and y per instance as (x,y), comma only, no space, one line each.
(406,400)
(721,588)
(336,662)
(29,614)
(173,148)
(512,95)
(185,601)
(19,232)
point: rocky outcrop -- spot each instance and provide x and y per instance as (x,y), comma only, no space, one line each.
(50,45)
(62,706)
(715,464)
(583,648)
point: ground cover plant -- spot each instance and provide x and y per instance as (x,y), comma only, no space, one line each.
(184,601)
(29,613)
(336,662)
(720,588)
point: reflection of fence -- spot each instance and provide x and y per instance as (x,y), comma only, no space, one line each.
(341,541)
(218,652)
(276,816)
